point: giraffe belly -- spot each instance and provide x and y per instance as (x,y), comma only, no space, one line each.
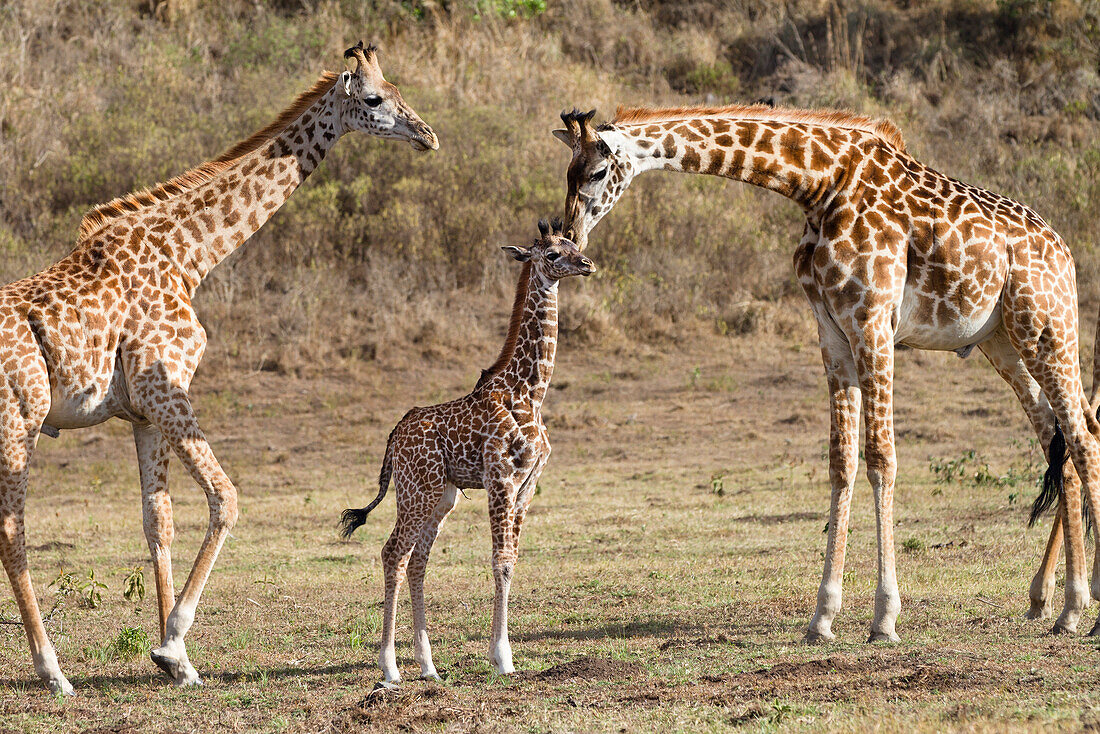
(89,405)
(949,331)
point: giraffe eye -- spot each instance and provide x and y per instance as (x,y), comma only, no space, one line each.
(598,174)
(552,256)
(373,100)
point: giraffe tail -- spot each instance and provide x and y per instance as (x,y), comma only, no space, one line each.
(1053,479)
(351,519)
(1053,483)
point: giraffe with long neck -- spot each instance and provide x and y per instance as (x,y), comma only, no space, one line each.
(492,438)
(109,332)
(893,254)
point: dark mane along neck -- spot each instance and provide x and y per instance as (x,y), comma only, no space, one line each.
(882,128)
(516,321)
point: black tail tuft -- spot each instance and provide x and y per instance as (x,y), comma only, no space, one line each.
(350,521)
(1053,479)
(1086,516)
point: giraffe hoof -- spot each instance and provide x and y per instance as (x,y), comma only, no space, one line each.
(180,671)
(384,688)
(1038,610)
(431,676)
(813,637)
(61,687)
(1061,629)
(884,637)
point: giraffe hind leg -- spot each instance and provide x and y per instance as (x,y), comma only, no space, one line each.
(13,553)
(416,572)
(1004,358)
(156,513)
(1064,394)
(168,408)
(23,408)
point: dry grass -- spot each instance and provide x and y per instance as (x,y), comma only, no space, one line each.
(675,546)
(668,569)
(98,99)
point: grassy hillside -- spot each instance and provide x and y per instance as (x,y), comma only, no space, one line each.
(389,255)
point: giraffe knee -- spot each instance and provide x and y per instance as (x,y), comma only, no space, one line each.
(223,508)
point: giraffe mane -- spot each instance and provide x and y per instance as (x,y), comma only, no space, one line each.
(514,323)
(97,217)
(884,129)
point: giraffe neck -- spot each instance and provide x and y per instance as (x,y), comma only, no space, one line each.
(803,161)
(532,361)
(209,222)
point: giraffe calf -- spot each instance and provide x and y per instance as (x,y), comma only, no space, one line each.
(493,438)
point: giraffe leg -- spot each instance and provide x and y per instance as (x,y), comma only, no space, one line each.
(14,458)
(523,499)
(175,419)
(844,398)
(156,513)
(418,565)
(502,494)
(1000,352)
(1041,591)
(1054,366)
(395,559)
(875,367)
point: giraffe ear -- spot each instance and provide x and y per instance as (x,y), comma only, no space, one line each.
(345,82)
(517,253)
(563,135)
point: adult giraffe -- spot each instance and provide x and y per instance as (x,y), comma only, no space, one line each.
(893,253)
(109,331)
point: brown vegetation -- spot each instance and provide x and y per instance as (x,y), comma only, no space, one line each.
(380,245)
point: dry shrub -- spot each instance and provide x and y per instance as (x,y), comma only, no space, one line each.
(386,255)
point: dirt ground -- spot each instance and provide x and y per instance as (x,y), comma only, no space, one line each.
(668,568)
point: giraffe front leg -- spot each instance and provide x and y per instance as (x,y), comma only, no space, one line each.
(844,399)
(875,366)
(501,522)
(156,513)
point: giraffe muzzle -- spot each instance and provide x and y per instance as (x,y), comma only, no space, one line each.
(423,138)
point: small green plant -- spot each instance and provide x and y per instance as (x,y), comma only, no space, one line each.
(91,593)
(65,583)
(133,585)
(972,469)
(693,377)
(131,642)
(780,712)
(717,484)
(913,545)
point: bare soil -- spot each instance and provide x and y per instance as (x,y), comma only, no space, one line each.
(668,572)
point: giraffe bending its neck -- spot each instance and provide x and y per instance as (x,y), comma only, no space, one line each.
(109,332)
(493,438)
(893,253)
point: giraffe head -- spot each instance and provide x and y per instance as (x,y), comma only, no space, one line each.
(552,256)
(374,106)
(598,174)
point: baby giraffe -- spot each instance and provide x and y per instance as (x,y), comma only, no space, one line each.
(493,438)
